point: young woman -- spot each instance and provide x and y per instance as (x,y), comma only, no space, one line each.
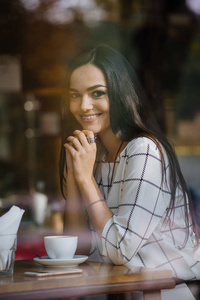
(124,171)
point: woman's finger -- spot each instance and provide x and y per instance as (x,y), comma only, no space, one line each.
(85,137)
(69,147)
(81,137)
(91,138)
(75,142)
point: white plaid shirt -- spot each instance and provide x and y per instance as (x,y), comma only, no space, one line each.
(136,234)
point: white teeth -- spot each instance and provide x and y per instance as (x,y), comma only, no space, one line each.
(89,117)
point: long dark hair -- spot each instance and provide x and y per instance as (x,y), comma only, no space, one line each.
(130,116)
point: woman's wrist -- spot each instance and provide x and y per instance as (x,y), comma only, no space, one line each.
(83,180)
(71,181)
(94,202)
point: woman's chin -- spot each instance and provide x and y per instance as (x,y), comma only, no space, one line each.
(90,128)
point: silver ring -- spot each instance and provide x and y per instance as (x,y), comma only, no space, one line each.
(91,140)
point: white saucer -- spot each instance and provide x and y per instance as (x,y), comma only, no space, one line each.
(48,262)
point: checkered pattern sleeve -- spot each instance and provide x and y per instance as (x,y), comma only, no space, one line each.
(142,203)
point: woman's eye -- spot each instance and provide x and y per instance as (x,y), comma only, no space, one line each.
(74,95)
(98,93)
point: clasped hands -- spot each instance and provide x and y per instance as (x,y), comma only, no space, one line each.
(80,154)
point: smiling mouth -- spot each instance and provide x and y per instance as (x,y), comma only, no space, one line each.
(90,117)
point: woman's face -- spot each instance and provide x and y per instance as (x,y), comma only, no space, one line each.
(89,101)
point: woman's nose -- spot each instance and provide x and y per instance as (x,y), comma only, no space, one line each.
(86,103)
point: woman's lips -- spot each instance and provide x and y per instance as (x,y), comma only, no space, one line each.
(90,118)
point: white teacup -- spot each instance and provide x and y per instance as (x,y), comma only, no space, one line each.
(61,247)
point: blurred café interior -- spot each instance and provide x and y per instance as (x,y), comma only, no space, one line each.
(161,38)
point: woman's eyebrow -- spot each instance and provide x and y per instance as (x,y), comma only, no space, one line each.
(90,88)
(73,90)
(96,86)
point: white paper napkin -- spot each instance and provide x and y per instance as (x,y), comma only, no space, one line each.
(9,224)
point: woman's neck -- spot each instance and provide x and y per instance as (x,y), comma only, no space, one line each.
(112,145)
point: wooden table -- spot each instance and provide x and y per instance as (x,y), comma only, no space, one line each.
(96,278)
